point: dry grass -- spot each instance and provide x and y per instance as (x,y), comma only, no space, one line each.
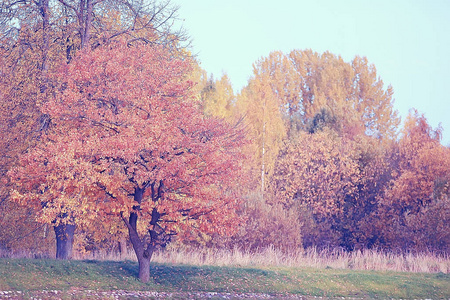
(269,257)
(336,259)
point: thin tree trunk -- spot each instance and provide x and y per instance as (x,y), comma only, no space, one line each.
(44,9)
(64,240)
(86,31)
(263,163)
(123,251)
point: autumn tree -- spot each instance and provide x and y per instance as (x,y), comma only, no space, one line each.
(307,83)
(416,198)
(36,37)
(265,226)
(129,141)
(79,23)
(20,123)
(261,110)
(363,192)
(306,98)
(218,98)
(316,175)
(307,91)
(373,158)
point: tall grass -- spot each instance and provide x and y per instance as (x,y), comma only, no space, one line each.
(311,258)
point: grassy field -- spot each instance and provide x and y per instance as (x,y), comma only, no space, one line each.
(52,279)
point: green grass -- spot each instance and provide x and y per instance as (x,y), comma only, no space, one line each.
(30,276)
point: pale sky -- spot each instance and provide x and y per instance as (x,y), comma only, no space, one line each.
(407,41)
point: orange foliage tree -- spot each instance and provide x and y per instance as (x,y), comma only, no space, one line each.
(20,124)
(307,91)
(350,120)
(129,141)
(316,174)
(360,210)
(415,208)
(37,37)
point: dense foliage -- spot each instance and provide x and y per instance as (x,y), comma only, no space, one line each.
(327,147)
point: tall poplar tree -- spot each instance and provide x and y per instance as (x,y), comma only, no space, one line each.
(261,110)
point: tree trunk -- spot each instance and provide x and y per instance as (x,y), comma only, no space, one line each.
(123,251)
(44,9)
(143,255)
(263,162)
(144,267)
(144,251)
(64,240)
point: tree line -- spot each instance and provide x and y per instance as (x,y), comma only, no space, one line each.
(331,164)
(111,130)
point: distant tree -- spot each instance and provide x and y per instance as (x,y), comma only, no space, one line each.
(267,226)
(218,98)
(260,108)
(307,84)
(130,141)
(337,121)
(356,226)
(316,174)
(324,119)
(305,91)
(416,197)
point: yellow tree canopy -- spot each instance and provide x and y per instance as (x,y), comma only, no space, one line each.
(306,83)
